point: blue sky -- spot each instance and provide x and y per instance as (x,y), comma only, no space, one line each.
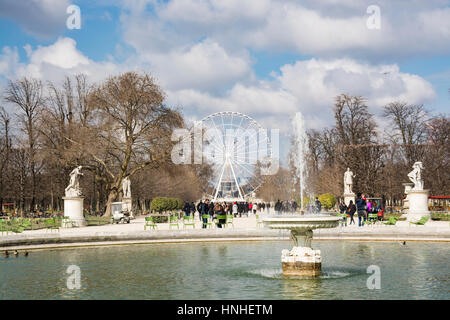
(266,58)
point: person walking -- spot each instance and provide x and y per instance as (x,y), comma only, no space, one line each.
(211,209)
(351,211)
(192,209)
(199,209)
(342,207)
(187,208)
(361,207)
(240,209)
(278,206)
(204,211)
(219,211)
(363,196)
(235,209)
(318,205)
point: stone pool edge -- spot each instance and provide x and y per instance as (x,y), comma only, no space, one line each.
(57,241)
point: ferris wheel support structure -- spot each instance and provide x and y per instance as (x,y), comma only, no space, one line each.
(234,170)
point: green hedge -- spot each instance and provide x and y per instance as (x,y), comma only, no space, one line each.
(440,216)
(161,204)
(328,200)
(160,219)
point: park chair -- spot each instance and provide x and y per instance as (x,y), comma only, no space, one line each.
(208,222)
(221,217)
(51,224)
(421,222)
(4,227)
(343,220)
(258,221)
(392,221)
(150,223)
(229,220)
(188,221)
(26,224)
(15,225)
(371,219)
(66,222)
(173,221)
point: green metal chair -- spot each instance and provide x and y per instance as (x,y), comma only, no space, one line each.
(343,221)
(220,217)
(67,222)
(421,222)
(371,219)
(50,224)
(229,220)
(391,222)
(4,227)
(259,222)
(150,223)
(188,221)
(27,224)
(173,221)
(208,222)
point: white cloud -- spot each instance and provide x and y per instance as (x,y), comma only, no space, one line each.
(204,65)
(310,86)
(321,28)
(54,62)
(42,18)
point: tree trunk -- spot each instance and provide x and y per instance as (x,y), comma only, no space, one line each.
(111,197)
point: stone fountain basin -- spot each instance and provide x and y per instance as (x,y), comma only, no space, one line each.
(302,223)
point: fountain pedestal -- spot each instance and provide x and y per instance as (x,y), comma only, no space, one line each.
(302,260)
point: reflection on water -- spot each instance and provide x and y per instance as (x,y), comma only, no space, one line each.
(233,270)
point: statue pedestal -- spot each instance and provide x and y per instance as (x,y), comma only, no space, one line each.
(73,208)
(348,197)
(128,205)
(418,204)
(408,187)
(302,260)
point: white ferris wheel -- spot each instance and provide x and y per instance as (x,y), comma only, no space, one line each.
(234,148)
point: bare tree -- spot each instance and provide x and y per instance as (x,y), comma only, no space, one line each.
(132,129)
(27,95)
(409,129)
(5,149)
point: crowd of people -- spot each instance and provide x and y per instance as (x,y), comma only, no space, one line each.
(362,207)
(211,209)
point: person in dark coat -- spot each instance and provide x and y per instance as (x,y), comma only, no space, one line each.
(361,207)
(199,209)
(351,209)
(342,207)
(211,209)
(240,209)
(187,208)
(192,208)
(278,207)
(318,205)
(204,208)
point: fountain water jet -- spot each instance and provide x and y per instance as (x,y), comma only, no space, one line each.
(301,147)
(302,260)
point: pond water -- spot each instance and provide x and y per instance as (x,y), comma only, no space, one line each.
(229,270)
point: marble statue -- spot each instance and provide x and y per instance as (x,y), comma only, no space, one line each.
(348,181)
(416,176)
(126,187)
(73,189)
